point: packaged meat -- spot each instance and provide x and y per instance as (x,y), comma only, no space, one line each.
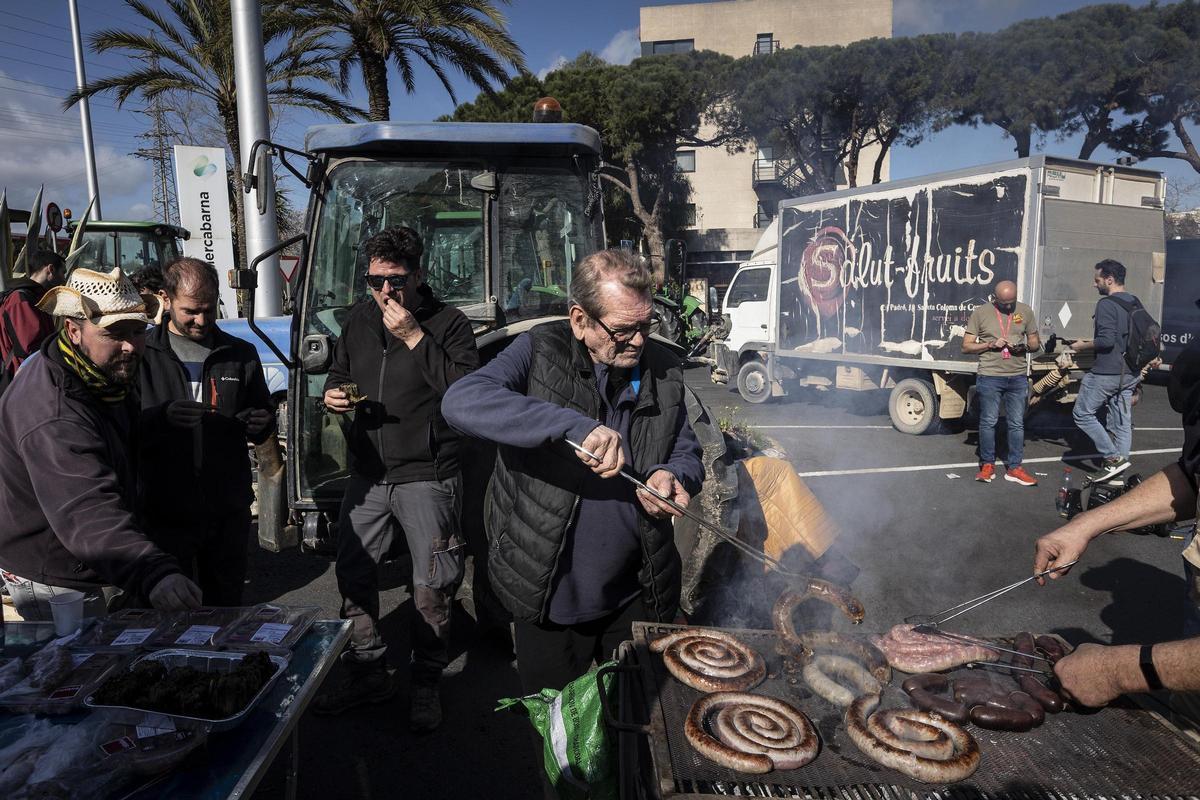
(60,693)
(271,626)
(125,630)
(195,688)
(203,627)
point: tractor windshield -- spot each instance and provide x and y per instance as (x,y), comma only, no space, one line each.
(131,250)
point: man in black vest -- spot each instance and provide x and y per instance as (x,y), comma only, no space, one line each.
(576,554)
(400,349)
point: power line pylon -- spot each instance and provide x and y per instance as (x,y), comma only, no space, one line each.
(158,152)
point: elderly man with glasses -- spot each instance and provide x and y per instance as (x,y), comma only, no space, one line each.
(576,554)
(399,351)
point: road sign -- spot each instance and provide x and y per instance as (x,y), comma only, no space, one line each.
(54,217)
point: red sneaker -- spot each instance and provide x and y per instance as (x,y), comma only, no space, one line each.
(986,473)
(1019,475)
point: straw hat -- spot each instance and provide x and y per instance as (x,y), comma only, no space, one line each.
(103,298)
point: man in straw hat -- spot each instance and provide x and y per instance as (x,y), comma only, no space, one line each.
(68,472)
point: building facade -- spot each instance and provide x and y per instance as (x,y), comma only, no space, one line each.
(734,195)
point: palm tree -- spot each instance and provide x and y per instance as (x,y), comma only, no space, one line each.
(193,55)
(466,35)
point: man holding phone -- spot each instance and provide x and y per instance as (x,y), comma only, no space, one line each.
(1001,333)
(399,351)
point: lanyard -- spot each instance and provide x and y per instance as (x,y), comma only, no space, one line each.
(1004,329)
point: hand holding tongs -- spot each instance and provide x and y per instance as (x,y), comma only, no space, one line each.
(745,547)
(932,621)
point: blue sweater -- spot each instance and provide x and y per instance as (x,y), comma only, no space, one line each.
(597,571)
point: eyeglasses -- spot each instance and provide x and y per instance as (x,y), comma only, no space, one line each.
(625,335)
(376,282)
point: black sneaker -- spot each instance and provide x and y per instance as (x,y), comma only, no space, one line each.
(1111,468)
(425,715)
(357,687)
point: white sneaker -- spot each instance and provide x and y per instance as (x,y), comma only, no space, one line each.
(1112,467)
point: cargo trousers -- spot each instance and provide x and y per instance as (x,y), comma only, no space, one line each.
(429,513)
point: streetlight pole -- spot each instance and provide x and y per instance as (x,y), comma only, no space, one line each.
(85,114)
(250,75)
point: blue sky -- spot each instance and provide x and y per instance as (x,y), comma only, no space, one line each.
(41,142)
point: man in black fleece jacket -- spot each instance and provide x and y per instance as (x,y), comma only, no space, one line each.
(401,348)
(203,399)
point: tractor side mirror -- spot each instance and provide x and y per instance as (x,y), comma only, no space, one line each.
(316,353)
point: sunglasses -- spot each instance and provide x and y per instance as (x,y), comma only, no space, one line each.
(625,335)
(376,282)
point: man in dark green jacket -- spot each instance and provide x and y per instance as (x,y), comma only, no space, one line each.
(398,352)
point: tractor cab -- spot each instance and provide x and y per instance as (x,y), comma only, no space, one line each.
(505,212)
(132,246)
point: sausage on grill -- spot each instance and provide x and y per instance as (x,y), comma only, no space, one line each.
(921,689)
(710,660)
(820,674)
(750,733)
(959,765)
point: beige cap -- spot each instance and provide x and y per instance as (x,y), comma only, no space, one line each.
(102,298)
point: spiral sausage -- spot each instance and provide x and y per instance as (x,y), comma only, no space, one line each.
(710,660)
(921,689)
(960,765)
(821,671)
(753,733)
(803,647)
(906,729)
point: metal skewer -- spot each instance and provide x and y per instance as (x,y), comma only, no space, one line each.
(940,618)
(746,548)
(929,629)
(994,665)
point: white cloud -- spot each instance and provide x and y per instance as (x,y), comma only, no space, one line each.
(622,48)
(559,62)
(912,17)
(138,211)
(42,146)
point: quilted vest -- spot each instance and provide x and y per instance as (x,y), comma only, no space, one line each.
(533,493)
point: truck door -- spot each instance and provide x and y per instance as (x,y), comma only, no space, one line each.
(746,304)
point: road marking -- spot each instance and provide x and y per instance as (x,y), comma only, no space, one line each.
(890,427)
(822,427)
(967,464)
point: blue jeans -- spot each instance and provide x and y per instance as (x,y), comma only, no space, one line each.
(1114,393)
(1013,390)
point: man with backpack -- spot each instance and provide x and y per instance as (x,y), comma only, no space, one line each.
(1125,341)
(23,326)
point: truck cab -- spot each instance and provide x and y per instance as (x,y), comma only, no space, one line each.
(505,212)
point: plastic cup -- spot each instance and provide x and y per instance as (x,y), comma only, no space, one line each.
(67,609)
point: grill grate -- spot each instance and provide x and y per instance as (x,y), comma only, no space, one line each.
(1118,753)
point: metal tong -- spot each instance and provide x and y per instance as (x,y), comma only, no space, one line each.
(929,629)
(747,549)
(945,615)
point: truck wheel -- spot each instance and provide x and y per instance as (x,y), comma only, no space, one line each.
(753,383)
(913,407)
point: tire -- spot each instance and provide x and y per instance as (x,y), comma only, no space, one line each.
(753,383)
(913,407)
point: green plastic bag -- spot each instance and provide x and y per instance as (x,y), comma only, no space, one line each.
(578,754)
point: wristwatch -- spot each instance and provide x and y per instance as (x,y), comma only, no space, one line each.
(1146,661)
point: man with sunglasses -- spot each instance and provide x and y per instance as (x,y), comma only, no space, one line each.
(400,349)
(576,554)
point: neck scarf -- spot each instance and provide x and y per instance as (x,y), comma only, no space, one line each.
(96,380)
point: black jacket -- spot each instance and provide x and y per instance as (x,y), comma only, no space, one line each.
(68,484)
(204,470)
(398,434)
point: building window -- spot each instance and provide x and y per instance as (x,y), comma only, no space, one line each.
(668,46)
(766,154)
(685,161)
(689,215)
(765,44)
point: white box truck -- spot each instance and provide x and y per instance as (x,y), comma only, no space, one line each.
(871,288)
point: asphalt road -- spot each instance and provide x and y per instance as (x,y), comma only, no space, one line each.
(922,534)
